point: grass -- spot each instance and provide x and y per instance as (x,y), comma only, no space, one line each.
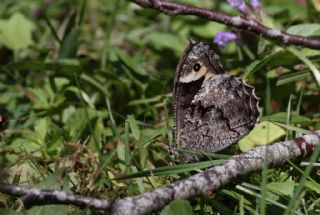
(89,103)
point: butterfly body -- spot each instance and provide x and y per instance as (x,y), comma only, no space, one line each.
(212,109)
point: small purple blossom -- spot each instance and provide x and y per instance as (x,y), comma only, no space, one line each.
(238,4)
(223,38)
(255,4)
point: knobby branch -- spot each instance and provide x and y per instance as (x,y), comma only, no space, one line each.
(205,183)
(175,9)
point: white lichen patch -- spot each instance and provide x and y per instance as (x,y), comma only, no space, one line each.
(274,32)
(311,139)
(97,203)
(285,39)
(61,196)
(236,20)
(252,23)
(35,191)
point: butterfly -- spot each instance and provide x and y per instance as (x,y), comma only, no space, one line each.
(212,109)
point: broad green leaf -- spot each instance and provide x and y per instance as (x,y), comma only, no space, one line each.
(208,30)
(41,128)
(282,117)
(177,207)
(15,33)
(264,133)
(53,181)
(26,144)
(42,98)
(282,188)
(5,211)
(48,210)
(77,123)
(134,127)
(305,30)
(97,127)
(69,45)
(166,41)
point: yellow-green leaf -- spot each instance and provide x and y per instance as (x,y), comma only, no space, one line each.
(15,32)
(264,133)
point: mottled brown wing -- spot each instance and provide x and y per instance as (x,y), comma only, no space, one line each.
(221,113)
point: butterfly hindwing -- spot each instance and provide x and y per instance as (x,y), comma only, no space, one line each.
(222,112)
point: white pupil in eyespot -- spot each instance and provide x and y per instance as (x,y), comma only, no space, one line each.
(196,67)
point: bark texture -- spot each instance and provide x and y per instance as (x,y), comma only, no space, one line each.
(205,183)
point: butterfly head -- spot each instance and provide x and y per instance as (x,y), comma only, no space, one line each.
(200,62)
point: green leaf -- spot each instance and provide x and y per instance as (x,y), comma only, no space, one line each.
(77,123)
(293,76)
(6,211)
(53,181)
(26,144)
(305,30)
(15,33)
(41,128)
(263,134)
(70,44)
(170,170)
(308,62)
(313,186)
(177,207)
(292,128)
(129,61)
(235,195)
(42,101)
(98,131)
(281,57)
(282,117)
(86,98)
(65,67)
(134,127)
(282,188)
(208,30)
(48,210)
(165,40)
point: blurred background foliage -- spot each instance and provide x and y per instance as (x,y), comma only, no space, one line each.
(87,90)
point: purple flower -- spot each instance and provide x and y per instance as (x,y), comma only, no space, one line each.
(238,4)
(223,38)
(255,4)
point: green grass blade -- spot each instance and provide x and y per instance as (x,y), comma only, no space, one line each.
(305,60)
(293,202)
(170,170)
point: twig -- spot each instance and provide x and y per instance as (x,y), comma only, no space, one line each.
(34,196)
(205,183)
(175,9)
